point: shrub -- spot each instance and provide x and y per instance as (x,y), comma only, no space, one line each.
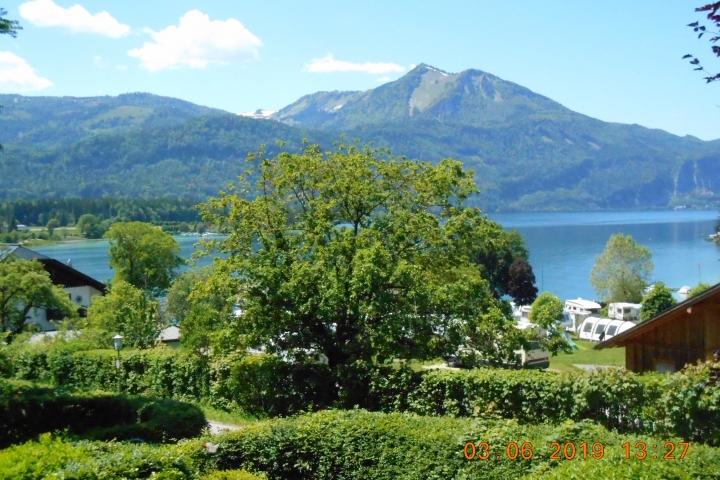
(26,412)
(55,458)
(233,475)
(666,405)
(357,444)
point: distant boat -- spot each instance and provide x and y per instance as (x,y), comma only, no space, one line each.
(684,290)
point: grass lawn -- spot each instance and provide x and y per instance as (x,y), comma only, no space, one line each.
(587,356)
(233,418)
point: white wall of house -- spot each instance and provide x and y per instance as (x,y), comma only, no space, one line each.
(39,317)
(80,296)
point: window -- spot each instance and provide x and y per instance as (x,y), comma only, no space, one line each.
(588,327)
(611,331)
(600,328)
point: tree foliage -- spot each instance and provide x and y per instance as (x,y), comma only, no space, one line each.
(699,288)
(143,256)
(521,284)
(497,252)
(179,303)
(622,271)
(25,285)
(658,299)
(8,27)
(546,312)
(358,255)
(714,17)
(127,311)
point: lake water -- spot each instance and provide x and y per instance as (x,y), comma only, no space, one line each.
(563,247)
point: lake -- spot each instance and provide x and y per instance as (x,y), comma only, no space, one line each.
(563,247)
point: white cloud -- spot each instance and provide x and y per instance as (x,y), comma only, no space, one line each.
(383,79)
(196,42)
(120,67)
(99,61)
(45,13)
(329,64)
(17,76)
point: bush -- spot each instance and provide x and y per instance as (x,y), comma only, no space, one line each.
(57,458)
(357,444)
(233,475)
(26,412)
(652,403)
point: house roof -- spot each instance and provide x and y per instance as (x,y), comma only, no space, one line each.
(658,319)
(170,334)
(22,253)
(60,274)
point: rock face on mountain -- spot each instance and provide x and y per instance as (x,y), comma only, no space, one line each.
(472,97)
(528,151)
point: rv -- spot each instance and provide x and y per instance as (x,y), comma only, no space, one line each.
(592,328)
(576,311)
(624,311)
(533,356)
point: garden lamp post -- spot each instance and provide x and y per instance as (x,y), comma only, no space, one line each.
(118,344)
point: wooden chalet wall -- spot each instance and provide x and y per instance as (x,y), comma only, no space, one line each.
(682,337)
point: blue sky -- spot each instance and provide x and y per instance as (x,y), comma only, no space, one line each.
(614,60)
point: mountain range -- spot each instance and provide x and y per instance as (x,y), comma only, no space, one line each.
(528,151)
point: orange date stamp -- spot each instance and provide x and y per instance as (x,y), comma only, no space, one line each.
(571,450)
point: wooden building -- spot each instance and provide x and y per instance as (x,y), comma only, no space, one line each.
(684,334)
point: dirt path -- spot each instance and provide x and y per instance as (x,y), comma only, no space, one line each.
(217,427)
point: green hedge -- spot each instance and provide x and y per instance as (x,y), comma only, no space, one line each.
(658,404)
(651,403)
(260,385)
(26,412)
(356,444)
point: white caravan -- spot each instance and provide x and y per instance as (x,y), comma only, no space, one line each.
(533,356)
(576,311)
(624,311)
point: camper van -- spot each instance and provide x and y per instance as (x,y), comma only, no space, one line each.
(624,311)
(576,311)
(593,327)
(522,313)
(533,356)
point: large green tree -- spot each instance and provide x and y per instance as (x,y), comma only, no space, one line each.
(24,285)
(127,311)
(546,313)
(179,301)
(495,256)
(358,255)
(658,299)
(622,271)
(144,256)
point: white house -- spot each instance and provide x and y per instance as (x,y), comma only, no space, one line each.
(79,287)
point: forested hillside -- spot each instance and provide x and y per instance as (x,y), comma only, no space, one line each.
(42,122)
(193,160)
(528,151)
